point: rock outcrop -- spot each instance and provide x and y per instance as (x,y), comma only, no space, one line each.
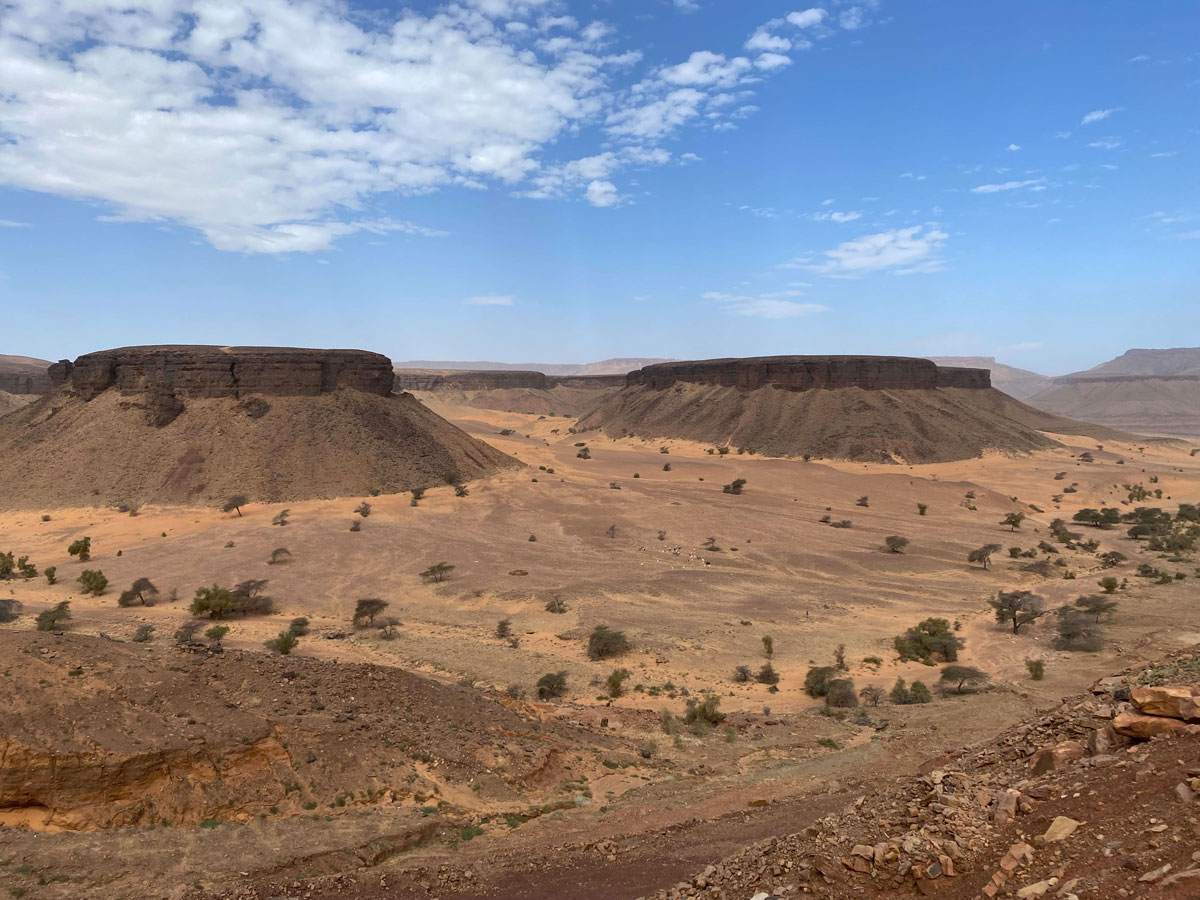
(802,373)
(200,371)
(419,380)
(23,375)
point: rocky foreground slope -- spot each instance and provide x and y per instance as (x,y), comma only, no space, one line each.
(194,425)
(850,407)
(1097,799)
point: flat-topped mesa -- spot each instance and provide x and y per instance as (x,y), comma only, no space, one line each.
(21,383)
(204,371)
(586,382)
(803,373)
(467,380)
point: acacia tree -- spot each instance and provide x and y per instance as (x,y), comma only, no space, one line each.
(437,572)
(81,548)
(983,554)
(961,675)
(54,617)
(1013,520)
(367,609)
(1096,605)
(235,502)
(1018,607)
(895,543)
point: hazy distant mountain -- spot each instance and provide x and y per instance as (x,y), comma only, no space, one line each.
(605,367)
(1148,391)
(1175,361)
(1019,383)
(23,375)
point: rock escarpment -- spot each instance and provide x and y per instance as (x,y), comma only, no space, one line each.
(1149,404)
(802,373)
(23,375)
(848,407)
(196,424)
(199,371)
(419,380)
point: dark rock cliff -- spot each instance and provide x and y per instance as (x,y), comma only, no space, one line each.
(18,383)
(201,371)
(802,373)
(483,380)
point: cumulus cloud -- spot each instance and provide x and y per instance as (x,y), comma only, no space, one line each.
(806,18)
(904,251)
(1014,147)
(491,300)
(1005,186)
(765,306)
(273,127)
(266,125)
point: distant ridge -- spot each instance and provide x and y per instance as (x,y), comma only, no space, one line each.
(615,366)
(1019,383)
(1149,391)
(1172,361)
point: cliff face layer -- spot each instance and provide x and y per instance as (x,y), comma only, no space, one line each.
(23,375)
(848,407)
(198,371)
(193,425)
(802,373)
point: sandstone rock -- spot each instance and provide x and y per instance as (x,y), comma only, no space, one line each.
(1060,829)
(1136,725)
(1048,759)
(1005,809)
(1039,889)
(1156,874)
(201,371)
(1173,701)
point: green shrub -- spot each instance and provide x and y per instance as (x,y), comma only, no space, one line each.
(816,681)
(92,581)
(283,643)
(54,617)
(1037,668)
(603,642)
(841,694)
(551,685)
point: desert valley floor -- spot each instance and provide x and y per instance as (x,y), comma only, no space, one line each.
(335,761)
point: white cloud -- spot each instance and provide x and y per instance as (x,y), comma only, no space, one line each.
(686,5)
(836,216)
(766,306)
(707,68)
(806,18)
(763,41)
(905,251)
(771,61)
(1006,186)
(852,18)
(1097,115)
(9,223)
(267,125)
(1164,154)
(1141,57)
(1188,235)
(602,193)
(491,300)
(1108,143)
(1062,135)
(1013,147)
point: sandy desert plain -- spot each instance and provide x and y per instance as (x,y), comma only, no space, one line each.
(423,765)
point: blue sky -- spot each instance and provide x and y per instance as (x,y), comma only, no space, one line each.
(532,180)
